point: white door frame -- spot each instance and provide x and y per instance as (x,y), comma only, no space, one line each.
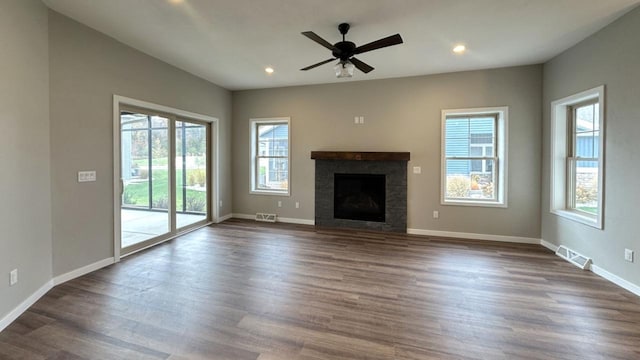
(118,101)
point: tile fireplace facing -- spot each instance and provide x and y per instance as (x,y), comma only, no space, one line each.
(361,190)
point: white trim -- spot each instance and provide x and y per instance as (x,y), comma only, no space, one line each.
(548,245)
(215,174)
(167,109)
(215,160)
(473,236)
(28,302)
(295,221)
(224,218)
(558,167)
(82,271)
(576,216)
(627,285)
(501,151)
(278,219)
(253,140)
(269,192)
(117,180)
(477,203)
(25,305)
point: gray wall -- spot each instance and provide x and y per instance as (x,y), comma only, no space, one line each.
(610,57)
(87,68)
(400,115)
(25,214)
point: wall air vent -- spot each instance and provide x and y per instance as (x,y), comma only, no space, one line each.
(266,217)
(573,257)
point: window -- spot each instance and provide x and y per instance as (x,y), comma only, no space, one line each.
(577,157)
(474,157)
(270,156)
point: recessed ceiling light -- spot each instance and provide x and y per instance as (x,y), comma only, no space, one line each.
(176,2)
(269,70)
(459,49)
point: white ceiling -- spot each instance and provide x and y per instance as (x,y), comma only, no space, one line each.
(230,42)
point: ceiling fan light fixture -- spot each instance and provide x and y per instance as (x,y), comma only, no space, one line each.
(344,69)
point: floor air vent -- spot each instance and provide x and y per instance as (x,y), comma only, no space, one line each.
(266,217)
(573,257)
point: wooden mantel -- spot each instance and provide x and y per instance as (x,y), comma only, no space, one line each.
(360,155)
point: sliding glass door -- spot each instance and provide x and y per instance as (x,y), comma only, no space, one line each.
(165,176)
(191,173)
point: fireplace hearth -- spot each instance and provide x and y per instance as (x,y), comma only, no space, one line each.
(363,190)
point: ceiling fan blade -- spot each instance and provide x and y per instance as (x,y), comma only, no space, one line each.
(364,67)
(313,36)
(378,44)
(318,64)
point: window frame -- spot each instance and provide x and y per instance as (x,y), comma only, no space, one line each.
(562,177)
(254,124)
(500,154)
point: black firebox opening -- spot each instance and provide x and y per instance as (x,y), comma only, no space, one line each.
(359,197)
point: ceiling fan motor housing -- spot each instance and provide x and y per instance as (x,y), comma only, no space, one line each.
(345,50)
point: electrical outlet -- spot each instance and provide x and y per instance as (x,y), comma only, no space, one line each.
(628,255)
(220,203)
(13,277)
(279,203)
(436,214)
(297,205)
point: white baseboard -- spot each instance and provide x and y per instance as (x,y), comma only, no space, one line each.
(295,221)
(26,304)
(473,236)
(223,218)
(278,219)
(243,216)
(82,271)
(616,279)
(548,245)
(602,272)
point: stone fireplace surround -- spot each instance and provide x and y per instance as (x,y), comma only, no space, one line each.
(391,164)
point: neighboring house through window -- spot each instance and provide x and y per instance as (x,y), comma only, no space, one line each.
(270,156)
(577,138)
(474,156)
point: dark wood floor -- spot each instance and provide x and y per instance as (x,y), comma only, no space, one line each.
(241,290)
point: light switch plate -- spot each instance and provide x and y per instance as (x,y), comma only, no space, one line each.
(86,176)
(417,170)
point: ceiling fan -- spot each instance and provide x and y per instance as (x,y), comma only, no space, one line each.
(346,50)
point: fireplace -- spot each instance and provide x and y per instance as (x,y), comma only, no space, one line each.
(359,197)
(362,190)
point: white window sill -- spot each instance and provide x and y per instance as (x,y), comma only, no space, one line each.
(269,192)
(590,220)
(474,203)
